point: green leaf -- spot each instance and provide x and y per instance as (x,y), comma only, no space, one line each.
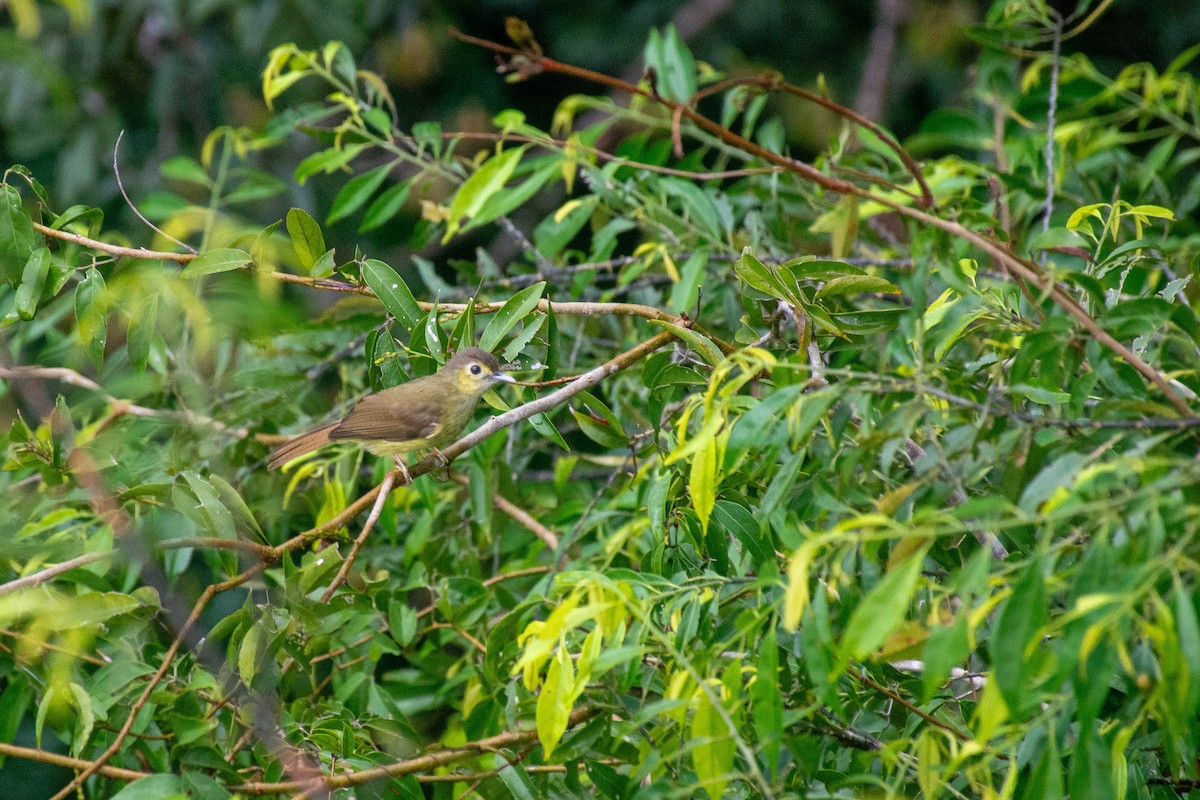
(153,787)
(87,717)
(819,269)
(326,161)
(479,188)
(598,422)
(856,284)
(232,500)
(947,646)
(1189,645)
(700,344)
(687,290)
(697,205)
(17,236)
(33,283)
(515,779)
(673,64)
(393,292)
(91,314)
(142,330)
(767,701)
(514,197)
(513,310)
(386,206)
(251,653)
(1046,780)
(1040,395)
(221,260)
(90,608)
(212,511)
(737,520)
(555,701)
(882,609)
(761,277)
(713,750)
(307,240)
(183,168)
(1018,621)
(356,192)
(323,267)
(14,705)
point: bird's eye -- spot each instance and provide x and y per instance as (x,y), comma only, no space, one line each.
(476,369)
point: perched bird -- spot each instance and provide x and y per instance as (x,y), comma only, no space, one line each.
(426,413)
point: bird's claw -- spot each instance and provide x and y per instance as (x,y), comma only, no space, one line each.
(443,463)
(400,465)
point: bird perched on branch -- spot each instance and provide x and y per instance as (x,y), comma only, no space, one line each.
(426,413)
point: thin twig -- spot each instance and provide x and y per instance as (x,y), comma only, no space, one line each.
(1051,113)
(128,202)
(897,698)
(514,511)
(385,488)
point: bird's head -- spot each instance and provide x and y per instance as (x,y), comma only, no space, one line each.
(474,371)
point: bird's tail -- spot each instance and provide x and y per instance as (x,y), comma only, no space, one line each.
(299,445)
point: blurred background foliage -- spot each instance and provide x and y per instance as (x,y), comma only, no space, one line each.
(74,74)
(817,525)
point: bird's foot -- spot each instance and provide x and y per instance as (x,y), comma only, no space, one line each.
(400,465)
(443,464)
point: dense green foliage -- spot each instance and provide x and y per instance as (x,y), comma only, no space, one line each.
(877,497)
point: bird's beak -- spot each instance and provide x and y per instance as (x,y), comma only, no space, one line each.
(500,377)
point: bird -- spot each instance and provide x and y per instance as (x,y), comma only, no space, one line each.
(426,413)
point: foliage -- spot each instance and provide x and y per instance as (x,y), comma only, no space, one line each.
(852,494)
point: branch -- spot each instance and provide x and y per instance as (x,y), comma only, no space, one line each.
(517,513)
(422,763)
(206,596)
(119,407)
(1014,265)
(894,696)
(385,488)
(59,760)
(571,308)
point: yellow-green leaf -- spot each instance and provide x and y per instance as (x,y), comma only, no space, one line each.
(714,749)
(882,609)
(702,482)
(554,703)
(477,189)
(211,261)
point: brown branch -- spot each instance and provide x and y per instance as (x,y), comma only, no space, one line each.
(570,308)
(119,407)
(1014,265)
(446,626)
(260,551)
(385,488)
(116,250)
(517,513)
(206,596)
(46,574)
(771,82)
(899,700)
(59,760)
(408,766)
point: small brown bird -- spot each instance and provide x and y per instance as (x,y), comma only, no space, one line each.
(426,413)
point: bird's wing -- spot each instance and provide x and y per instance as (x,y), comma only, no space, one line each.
(388,417)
